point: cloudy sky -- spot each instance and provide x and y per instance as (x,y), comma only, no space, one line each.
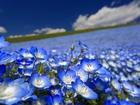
(31,17)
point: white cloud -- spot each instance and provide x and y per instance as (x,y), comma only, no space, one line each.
(39,31)
(16,36)
(109,16)
(49,30)
(2,30)
(115,2)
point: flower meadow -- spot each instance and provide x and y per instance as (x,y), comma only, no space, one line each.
(75,77)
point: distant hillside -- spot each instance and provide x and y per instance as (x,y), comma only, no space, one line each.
(37,37)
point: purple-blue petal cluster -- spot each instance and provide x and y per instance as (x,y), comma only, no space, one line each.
(100,77)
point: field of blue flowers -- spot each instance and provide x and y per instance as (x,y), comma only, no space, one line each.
(108,73)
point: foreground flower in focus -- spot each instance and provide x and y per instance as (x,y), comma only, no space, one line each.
(84,90)
(90,65)
(39,81)
(14,91)
(67,77)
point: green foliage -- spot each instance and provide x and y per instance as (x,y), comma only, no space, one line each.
(41,68)
(92,102)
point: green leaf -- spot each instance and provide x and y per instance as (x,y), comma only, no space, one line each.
(92,102)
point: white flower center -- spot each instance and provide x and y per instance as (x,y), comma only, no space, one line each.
(88,67)
(83,90)
(99,86)
(38,82)
(8,92)
(67,79)
(79,74)
(54,92)
(38,54)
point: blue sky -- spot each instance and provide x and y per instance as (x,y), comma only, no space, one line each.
(31,17)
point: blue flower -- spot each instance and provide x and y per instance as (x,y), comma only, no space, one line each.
(25,53)
(90,65)
(2,69)
(104,74)
(39,53)
(116,84)
(54,81)
(40,81)
(82,74)
(135,92)
(100,85)
(27,72)
(13,91)
(3,43)
(55,91)
(40,101)
(4,57)
(127,87)
(83,47)
(62,63)
(54,100)
(67,77)
(124,102)
(112,102)
(84,90)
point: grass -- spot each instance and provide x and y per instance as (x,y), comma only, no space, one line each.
(43,36)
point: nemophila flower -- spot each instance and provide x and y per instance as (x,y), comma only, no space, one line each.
(15,91)
(112,64)
(40,101)
(70,102)
(127,87)
(2,69)
(83,46)
(54,64)
(124,102)
(100,85)
(116,85)
(40,81)
(135,92)
(67,77)
(25,72)
(26,54)
(90,65)
(39,53)
(102,56)
(55,100)
(123,63)
(25,68)
(54,81)
(4,57)
(3,43)
(129,64)
(81,73)
(135,100)
(129,69)
(105,64)
(112,102)
(55,91)
(62,63)
(103,71)
(84,90)
(90,55)
(123,78)
(22,62)
(112,57)
(137,67)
